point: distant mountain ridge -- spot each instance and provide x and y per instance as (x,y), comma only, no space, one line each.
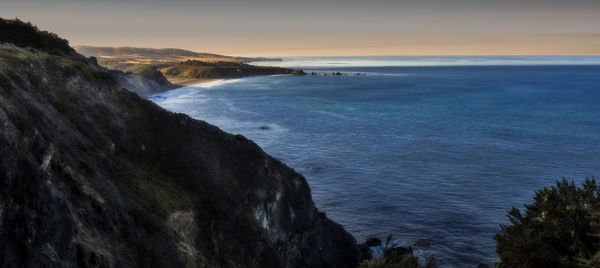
(160,54)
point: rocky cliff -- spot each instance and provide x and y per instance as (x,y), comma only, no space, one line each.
(92,175)
(145,82)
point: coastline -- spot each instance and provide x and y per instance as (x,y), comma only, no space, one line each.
(203,83)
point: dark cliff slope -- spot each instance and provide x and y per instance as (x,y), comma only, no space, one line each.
(92,175)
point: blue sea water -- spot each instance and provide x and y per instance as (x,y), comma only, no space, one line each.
(434,150)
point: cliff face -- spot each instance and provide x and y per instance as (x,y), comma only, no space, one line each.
(93,175)
(141,84)
(146,82)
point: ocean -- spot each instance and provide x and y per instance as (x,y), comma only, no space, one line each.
(432,149)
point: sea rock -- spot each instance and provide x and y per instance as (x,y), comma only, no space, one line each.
(373,242)
(365,248)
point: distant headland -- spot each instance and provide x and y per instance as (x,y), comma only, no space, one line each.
(180,67)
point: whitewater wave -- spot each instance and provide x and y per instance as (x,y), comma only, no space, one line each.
(215,83)
(233,108)
(263,133)
(189,94)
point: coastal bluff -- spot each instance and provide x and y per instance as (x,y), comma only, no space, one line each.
(93,175)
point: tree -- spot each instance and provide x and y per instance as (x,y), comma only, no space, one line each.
(25,34)
(560,228)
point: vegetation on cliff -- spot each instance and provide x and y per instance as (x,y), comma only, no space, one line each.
(392,256)
(561,228)
(24,34)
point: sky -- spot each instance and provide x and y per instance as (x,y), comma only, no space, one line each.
(326,27)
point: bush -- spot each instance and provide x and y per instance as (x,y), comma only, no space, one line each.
(560,228)
(25,34)
(396,257)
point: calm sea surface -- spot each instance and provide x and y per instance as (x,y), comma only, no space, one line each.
(434,150)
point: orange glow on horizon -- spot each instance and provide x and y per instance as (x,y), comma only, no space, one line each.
(533,44)
(332,27)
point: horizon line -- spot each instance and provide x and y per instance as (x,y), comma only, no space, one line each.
(342,55)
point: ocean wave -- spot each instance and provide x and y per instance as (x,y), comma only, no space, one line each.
(233,108)
(263,133)
(215,83)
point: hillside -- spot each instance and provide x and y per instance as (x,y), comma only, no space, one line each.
(92,175)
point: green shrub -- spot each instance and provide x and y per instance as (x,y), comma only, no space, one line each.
(559,229)
(397,257)
(25,34)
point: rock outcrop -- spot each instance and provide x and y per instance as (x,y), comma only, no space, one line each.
(146,82)
(92,175)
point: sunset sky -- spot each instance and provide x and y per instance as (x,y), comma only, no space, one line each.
(334,27)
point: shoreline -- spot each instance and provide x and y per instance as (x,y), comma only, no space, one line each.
(202,83)
(184,82)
